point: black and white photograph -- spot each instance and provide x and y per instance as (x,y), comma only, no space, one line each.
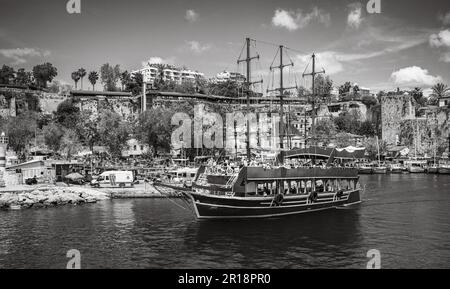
(234,137)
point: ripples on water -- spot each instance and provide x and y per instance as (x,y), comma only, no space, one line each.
(405,217)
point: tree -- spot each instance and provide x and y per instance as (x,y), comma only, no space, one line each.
(114,132)
(6,75)
(372,149)
(70,143)
(154,129)
(135,83)
(67,114)
(44,73)
(227,88)
(82,73)
(109,76)
(418,96)
(76,77)
(347,122)
(439,91)
(325,130)
(53,134)
(93,77)
(87,129)
(23,77)
(125,78)
(21,130)
(323,86)
(369,101)
(366,129)
(345,88)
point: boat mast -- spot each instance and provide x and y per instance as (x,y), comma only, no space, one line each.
(248,83)
(313,116)
(378,149)
(281,90)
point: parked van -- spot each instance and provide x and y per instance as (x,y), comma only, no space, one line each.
(114,179)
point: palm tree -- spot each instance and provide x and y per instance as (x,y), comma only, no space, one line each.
(82,73)
(125,78)
(93,77)
(76,77)
(439,91)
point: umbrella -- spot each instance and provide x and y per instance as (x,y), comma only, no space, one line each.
(74,176)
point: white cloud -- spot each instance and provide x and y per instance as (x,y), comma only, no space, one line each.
(333,62)
(354,17)
(197,47)
(20,55)
(329,60)
(445,57)
(440,39)
(414,76)
(445,18)
(158,60)
(294,20)
(191,15)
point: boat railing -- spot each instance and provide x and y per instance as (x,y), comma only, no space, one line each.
(232,179)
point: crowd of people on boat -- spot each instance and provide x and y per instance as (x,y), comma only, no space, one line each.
(228,167)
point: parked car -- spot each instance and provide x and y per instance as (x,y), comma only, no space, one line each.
(31,181)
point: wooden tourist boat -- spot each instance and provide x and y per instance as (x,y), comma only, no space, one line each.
(261,191)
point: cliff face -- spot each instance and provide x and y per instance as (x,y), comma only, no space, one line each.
(15,101)
(394,110)
(424,135)
(126,107)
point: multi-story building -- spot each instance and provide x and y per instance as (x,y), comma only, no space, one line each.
(170,73)
(229,76)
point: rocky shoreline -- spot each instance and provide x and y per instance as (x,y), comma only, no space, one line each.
(50,196)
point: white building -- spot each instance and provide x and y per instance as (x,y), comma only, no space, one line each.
(227,76)
(134,148)
(150,73)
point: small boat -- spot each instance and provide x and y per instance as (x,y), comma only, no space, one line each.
(396,169)
(380,170)
(365,169)
(434,169)
(444,169)
(415,168)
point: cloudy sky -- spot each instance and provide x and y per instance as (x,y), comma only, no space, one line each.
(406,45)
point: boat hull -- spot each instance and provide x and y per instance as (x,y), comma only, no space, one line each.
(379,170)
(414,170)
(432,170)
(220,207)
(396,171)
(365,171)
(444,171)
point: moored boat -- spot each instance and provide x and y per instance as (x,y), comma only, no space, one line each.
(365,169)
(380,170)
(434,169)
(444,169)
(416,169)
(396,169)
(256,192)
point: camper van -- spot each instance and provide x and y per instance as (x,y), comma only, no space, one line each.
(113,179)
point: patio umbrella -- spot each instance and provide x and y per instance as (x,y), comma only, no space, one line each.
(74,176)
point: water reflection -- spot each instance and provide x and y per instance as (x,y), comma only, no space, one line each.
(404,216)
